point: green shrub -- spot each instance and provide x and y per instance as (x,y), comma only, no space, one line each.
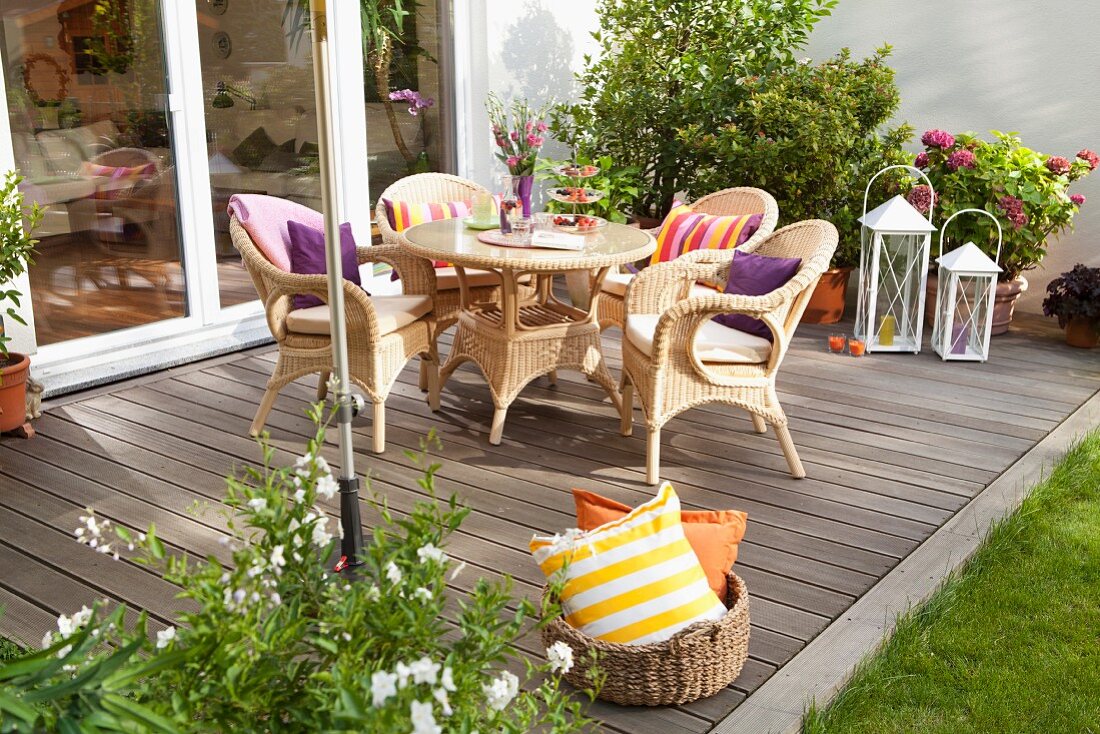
(812,136)
(666,65)
(16,248)
(275,642)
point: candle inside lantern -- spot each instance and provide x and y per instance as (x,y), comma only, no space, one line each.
(856,347)
(959,337)
(837,342)
(886,330)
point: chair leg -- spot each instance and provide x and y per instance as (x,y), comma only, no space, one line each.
(653,456)
(322,385)
(379,427)
(758,424)
(261,413)
(424,375)
(553,378)
(497,431)
(626,427)
(431,368)
(789,451)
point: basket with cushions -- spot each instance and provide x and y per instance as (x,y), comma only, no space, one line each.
(639,593)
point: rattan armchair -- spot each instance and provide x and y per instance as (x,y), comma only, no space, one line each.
(728,202)
(383,332)
(676,357)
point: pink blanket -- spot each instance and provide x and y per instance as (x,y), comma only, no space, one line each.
(265,218)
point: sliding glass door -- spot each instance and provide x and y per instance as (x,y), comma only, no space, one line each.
(87,100)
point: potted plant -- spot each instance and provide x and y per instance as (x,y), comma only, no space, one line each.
(811,136)
(1074,297)
(619,185)
(661,69)
(16,249)
(1027,190)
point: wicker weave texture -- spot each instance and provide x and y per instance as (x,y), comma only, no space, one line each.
(374,358)
(728,202)
(696,663)
(672,379)
(427,188)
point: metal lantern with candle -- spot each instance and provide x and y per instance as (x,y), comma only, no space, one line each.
(895,245)
(964,298)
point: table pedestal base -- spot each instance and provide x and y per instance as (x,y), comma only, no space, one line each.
(509,363)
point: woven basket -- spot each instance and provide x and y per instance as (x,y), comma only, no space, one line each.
(696,662)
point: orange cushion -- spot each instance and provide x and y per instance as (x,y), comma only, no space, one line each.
(713,534)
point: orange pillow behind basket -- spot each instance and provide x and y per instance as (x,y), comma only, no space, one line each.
(712,534)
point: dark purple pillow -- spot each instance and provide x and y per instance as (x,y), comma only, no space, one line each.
(756,275)
(307,256)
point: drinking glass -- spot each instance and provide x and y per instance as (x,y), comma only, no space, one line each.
(521,229)
(837,343)
(483,207)
(544,221)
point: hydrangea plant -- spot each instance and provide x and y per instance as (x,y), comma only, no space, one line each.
(270,640)
(1027,190)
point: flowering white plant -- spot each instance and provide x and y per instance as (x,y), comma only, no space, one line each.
(270,639)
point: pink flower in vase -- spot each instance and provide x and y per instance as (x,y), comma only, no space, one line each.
(514,135)
(1077,199)
(535,141)
(542,127)
(512,161)
(528,126)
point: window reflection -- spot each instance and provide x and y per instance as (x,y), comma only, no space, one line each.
(86,84)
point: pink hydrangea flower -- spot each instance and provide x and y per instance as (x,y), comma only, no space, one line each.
(937,139)
(1077,199)
(921,198)
(961,159)
(1013,209)
(921,160)
(1058,165)
(1089,157)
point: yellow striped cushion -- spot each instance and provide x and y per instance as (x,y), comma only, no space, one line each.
(633,581)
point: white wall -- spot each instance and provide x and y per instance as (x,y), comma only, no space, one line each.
(1012,65)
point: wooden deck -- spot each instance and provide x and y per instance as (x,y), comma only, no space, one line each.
(893,444)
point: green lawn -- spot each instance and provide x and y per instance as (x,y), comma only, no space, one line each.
(1010,645)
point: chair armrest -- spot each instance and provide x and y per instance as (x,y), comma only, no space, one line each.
(417,275)
(660,287)
(287,285)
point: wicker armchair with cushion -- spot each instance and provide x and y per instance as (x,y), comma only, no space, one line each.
(728,202)
(676,357)
(384,332)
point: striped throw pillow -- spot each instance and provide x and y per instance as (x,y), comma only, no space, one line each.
(685,230)
(631,581)
(402,214)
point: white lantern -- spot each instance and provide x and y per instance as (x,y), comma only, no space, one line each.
(893,271)
(964,298)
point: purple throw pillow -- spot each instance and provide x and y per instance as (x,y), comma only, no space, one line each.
(307,256)
(756,275)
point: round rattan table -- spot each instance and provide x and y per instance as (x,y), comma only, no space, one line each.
(528,332)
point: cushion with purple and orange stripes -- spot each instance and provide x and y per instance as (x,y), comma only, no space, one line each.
(403,214)
(685,230)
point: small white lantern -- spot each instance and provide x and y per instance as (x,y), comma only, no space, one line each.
(964,299)
(895,245)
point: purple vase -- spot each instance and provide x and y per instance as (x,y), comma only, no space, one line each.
(522,186)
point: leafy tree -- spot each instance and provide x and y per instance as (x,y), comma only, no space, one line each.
(667,65)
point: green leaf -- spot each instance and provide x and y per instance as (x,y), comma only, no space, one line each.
(123,706)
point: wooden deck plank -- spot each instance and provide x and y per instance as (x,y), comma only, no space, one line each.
(889,459)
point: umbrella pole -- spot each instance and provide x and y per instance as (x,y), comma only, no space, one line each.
(351,544)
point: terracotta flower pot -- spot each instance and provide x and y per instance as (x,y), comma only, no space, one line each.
(1004,302)
(645,222)
(826,305)
(1082,333)
(13,391)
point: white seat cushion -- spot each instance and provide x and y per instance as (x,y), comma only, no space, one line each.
(698,289)
(616,283)
(393,312)
(713,342)
(447,278)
